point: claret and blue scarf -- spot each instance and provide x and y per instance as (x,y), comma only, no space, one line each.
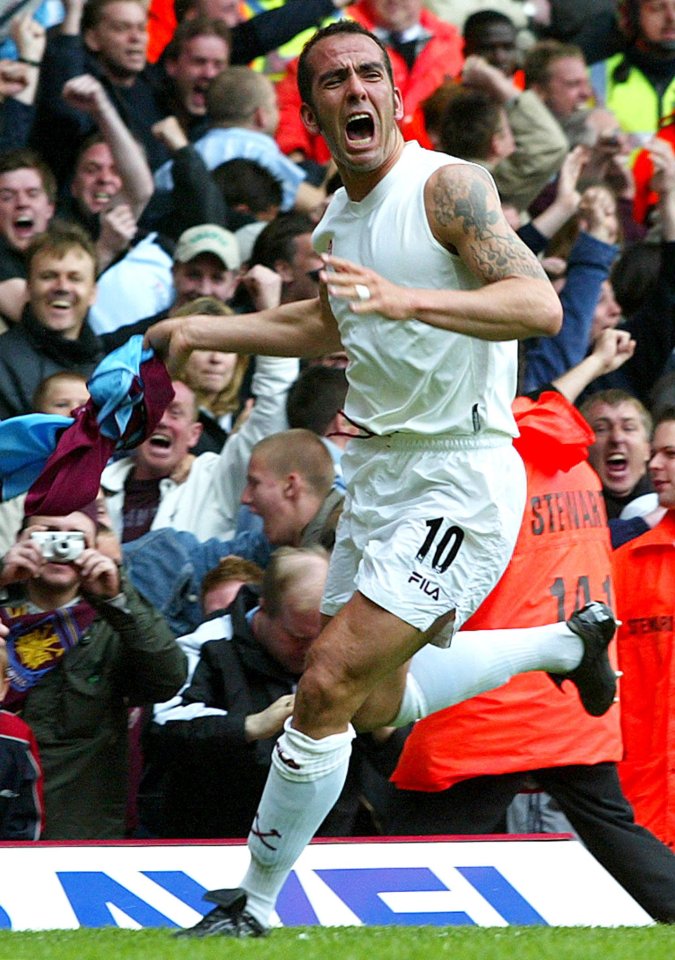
(57,462)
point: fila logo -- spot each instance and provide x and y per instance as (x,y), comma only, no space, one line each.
(431,589)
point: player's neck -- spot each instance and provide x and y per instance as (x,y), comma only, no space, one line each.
(358,184)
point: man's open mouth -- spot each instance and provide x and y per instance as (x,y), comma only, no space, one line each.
(160,441)
(198,99)
(60,303)
(360,128)
(616,465)
(23,223)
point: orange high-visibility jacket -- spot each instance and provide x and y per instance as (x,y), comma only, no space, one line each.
(644,571)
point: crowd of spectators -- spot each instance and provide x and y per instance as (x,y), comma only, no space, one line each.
(153,163)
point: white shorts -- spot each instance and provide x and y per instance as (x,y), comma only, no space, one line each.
(428,527)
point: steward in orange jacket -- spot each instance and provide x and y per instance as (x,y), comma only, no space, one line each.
(644,572)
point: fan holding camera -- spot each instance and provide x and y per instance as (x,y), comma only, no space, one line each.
(82,646)
(59,547)
(56,562)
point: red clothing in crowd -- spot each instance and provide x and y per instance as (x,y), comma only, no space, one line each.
(645,198)
(644,575)
(161,26)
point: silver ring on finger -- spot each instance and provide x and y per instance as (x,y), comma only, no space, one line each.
(362,291)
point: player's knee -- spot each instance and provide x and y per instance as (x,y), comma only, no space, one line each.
(325,686)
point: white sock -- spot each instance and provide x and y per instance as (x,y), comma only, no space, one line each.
(480,660)
(305,780)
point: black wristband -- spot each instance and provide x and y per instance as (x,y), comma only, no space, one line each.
(31,63)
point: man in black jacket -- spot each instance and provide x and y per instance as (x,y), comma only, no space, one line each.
(105,38)
(108,38)
(214,741)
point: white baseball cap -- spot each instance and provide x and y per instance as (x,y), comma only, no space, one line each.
(208,238)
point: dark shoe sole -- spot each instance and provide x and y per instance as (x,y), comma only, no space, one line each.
(594,678)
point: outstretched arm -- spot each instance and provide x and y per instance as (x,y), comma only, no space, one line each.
(87,94)
(464,212)
(567,196)
(30,38)
(610,351)
(304,328)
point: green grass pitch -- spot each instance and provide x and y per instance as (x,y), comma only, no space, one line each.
(351,943)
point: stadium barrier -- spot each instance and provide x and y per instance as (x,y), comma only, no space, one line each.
(544,880)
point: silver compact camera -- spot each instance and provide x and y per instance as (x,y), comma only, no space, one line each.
(59,546)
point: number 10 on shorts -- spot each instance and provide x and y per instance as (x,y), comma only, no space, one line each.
(445,544)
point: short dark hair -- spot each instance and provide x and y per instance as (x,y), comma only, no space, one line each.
(664,415)
(470,120)
(635,275)
(245,182)
(337,28)
(11,160)
(92,139)
(433,107)
(93,10)
(485,18)
(316,397)
(182,7)
(196,27)
(276,241)
(662,394)
(60,237)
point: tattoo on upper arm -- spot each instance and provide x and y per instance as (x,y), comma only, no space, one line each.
(467,204)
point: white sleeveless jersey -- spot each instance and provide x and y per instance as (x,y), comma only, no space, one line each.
(407,376)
